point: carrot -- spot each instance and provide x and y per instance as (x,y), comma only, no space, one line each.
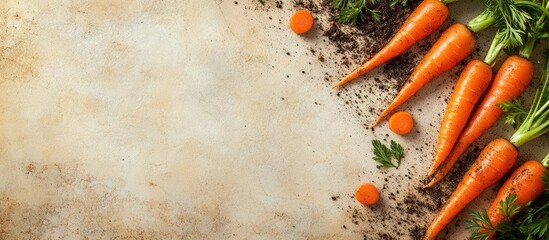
(454,45)
(367,194)
(301,21)
(423,21)
(493,162)
(401,123)
(526,183)
(472,83)
(513,77)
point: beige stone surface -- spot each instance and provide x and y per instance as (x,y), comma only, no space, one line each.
(152,119)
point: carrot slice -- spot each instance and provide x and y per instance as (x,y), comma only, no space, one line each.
(367,194)
(401,123)
(301,21)
(454,45)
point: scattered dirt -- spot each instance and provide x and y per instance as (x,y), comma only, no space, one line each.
(354,45)
(357,43)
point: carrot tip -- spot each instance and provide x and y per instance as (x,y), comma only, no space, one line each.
(434,180)
(430,184)
(376,122)
(432,171)
(339,84)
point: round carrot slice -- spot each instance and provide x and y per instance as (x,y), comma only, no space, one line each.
(367,194)
(401,123)
(301,21)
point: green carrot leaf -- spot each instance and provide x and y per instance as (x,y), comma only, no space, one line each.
(397,151)
(382,154)
(515,112)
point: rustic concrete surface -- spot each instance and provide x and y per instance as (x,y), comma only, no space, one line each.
(173,119)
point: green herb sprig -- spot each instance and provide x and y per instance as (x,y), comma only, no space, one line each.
(384,155)
(532,223)
(515,112)
(356,11)
(536,122)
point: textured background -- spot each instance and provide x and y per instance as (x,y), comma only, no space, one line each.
(176,119)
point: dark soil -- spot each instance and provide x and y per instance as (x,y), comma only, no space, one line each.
(355,44)
(402,214)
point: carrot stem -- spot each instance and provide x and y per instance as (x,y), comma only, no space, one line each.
(545,161)
(482,21)
(528,47)
(532,5)
(521,139)
(526,50)
(495,48)
(536,123)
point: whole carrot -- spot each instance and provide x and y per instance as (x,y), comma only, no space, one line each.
(454,45)
(472,83)
(526,183)
(424,20)
(513,77)
(497,158)
(493,162)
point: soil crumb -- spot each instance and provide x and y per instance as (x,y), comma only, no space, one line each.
(355,44)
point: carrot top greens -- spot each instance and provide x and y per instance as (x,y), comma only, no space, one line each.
(537,29)
(532,223)
(536,122)
(515,112)
(519,24)
(480,225)
(356,11)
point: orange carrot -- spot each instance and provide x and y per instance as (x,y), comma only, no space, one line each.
(423,21)
(472,83)
(455,44)
(401,123)
(493,162)
(513,77)
(526,183)
(301,21)
(367,194)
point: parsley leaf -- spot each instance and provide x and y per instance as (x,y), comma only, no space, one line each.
(383,155)
(262,2)
(395,2)
(509,207)
(397,151)
(480,225)
(515,112)
(532,223)
(355,11)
